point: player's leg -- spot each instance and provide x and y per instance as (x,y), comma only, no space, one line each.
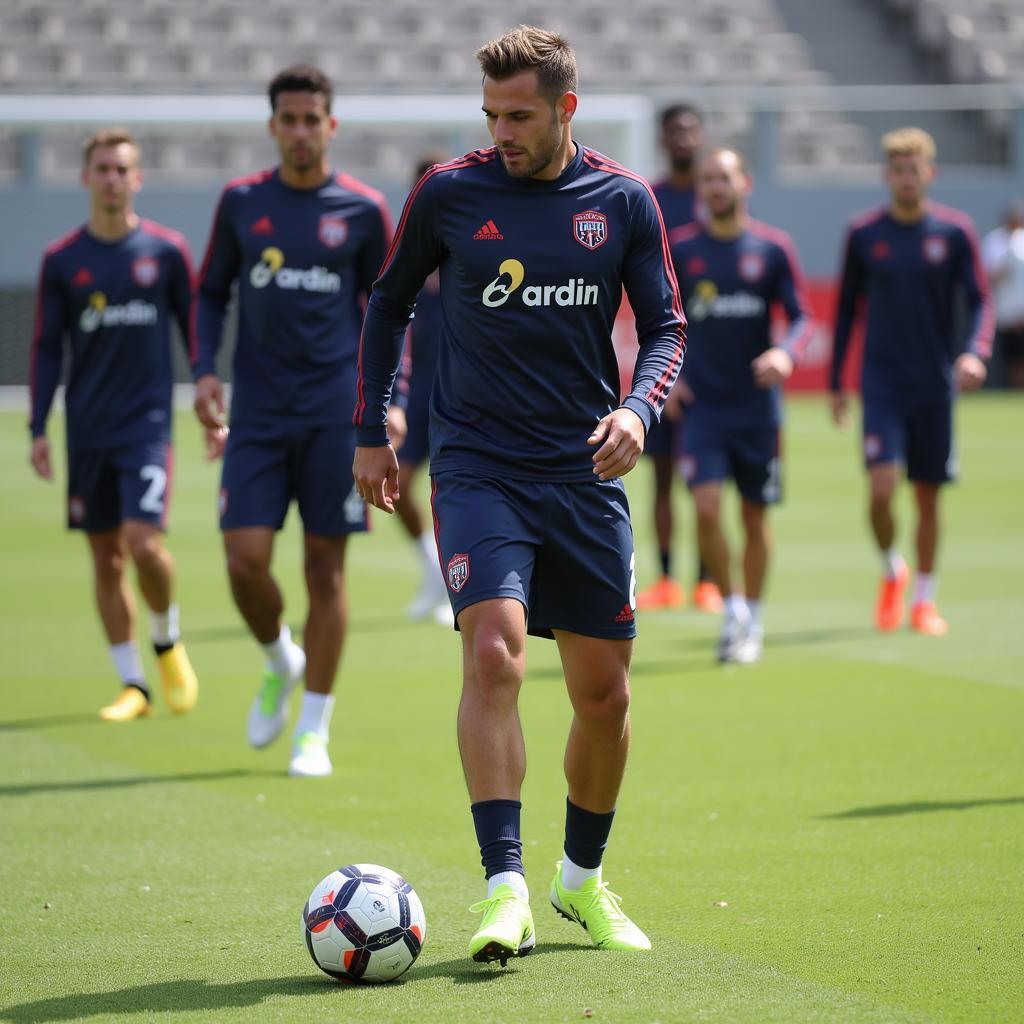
(666,592)
(930,464)
(487,545)
(884,438)
(706,595)
(431,600)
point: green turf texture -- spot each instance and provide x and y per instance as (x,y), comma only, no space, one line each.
(836,834)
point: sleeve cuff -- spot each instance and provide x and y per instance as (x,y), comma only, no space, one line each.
(643,409)
(372,437)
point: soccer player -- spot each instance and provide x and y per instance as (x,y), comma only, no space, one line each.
(111,288)
(732,270)
(1002,252)
(528,440)
(303,242)
(682,136)
(420,365)
(909,260)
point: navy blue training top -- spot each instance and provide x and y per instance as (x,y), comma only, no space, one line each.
(910,275)
(531,274)
(304,260)
(114,302)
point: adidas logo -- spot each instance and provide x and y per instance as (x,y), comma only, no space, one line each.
(262,227)
(490,232)
(82,278)
(626,615)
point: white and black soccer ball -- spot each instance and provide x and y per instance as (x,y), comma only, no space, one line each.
(364,923)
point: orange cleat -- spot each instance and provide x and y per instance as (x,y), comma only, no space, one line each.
(925,618)
(707,597)
(666,593)
(889,607)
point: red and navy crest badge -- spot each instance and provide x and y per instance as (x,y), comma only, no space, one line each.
(76,509)
(935,249)
(458,572)
(751,267)
(333,230)
(145,271)
(590,229)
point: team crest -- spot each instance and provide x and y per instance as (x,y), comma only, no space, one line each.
(222,502)
(458,572)
(76,509)
(688,467)
(590,228)
(696,265)
(145,271)
(935,249)
(333,230)
(872,447)
(751,267)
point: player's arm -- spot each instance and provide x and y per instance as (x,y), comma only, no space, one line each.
(775,365)
(851,289)
(650,284)
(44,368)
(414,254)
(182,292)
(213,293)
(969,369)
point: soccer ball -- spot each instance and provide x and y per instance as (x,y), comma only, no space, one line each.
(364,923)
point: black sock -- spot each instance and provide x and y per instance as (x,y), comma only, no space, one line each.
(162,648)
(665,557)
(141,687)
(703,572)
(497,832)
(586,835)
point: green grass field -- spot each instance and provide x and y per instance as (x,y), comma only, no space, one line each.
(836,834)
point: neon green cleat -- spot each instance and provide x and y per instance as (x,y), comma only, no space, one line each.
(506,929)
(598,909)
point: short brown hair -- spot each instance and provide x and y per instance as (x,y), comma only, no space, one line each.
(109,137)
(301,78)
(527,48)
(908,142)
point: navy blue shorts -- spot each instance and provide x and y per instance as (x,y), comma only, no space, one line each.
(662,439)
(751,455)
(564,550)
(106,487)
(265,468)
(919,436)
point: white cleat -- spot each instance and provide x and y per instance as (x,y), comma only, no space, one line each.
(309,756)
(443,614)
(432,601)
(269,710)
(751,647)
(730,640)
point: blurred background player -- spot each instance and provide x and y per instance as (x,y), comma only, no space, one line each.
(1002,251)
(682,136)
(112,288)
(304,244)
(732,270)
(908,261)
(417,378)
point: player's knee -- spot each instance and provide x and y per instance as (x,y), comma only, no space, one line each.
(323,577)
(607,707)
(494,662)
(146,549)
(109,566)
(706,512)
(244,567)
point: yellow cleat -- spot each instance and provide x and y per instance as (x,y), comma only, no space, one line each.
(131,703)
(181,688)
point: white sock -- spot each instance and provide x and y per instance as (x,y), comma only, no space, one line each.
(513,878)
(428,552)
(574,877)
(924,587)
(892,562)
(280,656)
(736,608)
(164,628)
(316,712)
(755,612)
(127,663)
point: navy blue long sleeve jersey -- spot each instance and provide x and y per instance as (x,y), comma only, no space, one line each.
(114,302)
(305,261)
(909,275)
(531,275)
(729,287)
(678,206)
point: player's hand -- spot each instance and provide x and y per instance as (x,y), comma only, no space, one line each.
(840,409)
(969,372)
(398,426)
(621,436)
(39,456)
(375,472)
(678,399)
(209,403)
(216,440)
(772,367)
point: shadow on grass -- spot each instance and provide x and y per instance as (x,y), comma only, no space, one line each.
(462,970)
(922,807)
(76,785)
(51,721)
(198,635)
(163,997)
